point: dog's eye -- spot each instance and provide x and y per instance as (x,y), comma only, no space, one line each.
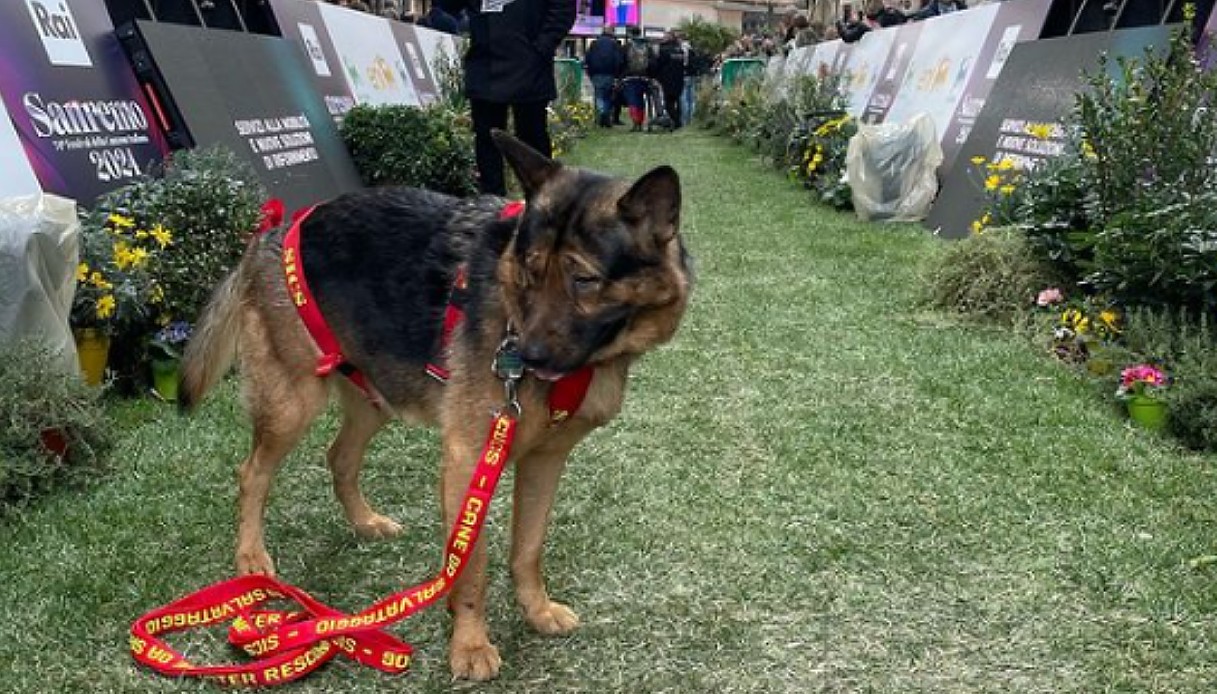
(585,283)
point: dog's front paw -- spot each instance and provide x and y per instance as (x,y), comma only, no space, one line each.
(255,561)
(478,661)
(377,527)
(552,618)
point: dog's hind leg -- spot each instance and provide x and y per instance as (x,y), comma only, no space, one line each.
(282,403)
(360,422)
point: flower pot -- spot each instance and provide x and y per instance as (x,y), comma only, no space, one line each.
(1147,412)
(165,378)
(93,352)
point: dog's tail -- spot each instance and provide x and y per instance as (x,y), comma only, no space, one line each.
(213,347)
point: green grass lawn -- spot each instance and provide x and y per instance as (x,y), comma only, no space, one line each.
(817,487)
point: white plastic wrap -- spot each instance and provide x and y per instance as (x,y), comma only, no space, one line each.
(892,169)
(39,251)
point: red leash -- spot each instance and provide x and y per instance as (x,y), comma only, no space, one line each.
(289,645)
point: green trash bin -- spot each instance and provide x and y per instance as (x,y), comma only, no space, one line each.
(735,69)
(569,74)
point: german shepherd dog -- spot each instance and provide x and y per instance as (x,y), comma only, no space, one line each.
(593,272)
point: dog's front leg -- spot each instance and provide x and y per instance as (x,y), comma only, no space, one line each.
(470,653)
(536,485)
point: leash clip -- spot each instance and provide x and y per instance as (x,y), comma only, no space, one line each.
(508,367)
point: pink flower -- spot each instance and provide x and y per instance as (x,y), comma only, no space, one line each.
(1049,296)
(1142,373)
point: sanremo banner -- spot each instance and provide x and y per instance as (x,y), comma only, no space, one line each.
(81,119)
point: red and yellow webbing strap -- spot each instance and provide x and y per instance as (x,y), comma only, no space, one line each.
(287,645)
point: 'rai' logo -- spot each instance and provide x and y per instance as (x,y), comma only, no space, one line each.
(60,35)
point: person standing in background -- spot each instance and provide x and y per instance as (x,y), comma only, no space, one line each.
(604,63)
(509,67)
(670,73)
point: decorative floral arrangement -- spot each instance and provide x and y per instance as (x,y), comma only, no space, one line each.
(114,279)
(168,342)
(569,121)
(1144,380)
(1081,327)
(821,164)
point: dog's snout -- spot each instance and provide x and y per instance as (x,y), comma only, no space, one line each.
(535,355)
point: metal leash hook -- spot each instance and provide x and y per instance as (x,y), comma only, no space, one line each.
(508,366)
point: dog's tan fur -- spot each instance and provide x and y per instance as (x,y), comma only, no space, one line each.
(252,318)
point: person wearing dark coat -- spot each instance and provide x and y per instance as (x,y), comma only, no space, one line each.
(604,63)
(509,66)
(670,73)
(436,18)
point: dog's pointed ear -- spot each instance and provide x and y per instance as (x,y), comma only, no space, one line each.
(531,167)
(654,198)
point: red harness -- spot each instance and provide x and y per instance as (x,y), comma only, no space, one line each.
(565,395)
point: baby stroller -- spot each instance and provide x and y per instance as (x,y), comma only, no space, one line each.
(655,114)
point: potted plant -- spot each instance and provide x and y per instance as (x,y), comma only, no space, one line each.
(1141,386)
(164,356)
(114,285)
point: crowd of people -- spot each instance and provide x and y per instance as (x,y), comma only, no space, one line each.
(625,74)
(435,17)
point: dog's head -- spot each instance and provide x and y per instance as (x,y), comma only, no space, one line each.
(596,268)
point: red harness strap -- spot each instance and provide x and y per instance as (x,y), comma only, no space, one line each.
(331,358)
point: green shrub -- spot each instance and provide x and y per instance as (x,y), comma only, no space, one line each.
(41,401)
(430,147)
(993,276)
(707,38)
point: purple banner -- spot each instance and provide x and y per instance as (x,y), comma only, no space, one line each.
(78,111)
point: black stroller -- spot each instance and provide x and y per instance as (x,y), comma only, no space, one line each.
(657,117)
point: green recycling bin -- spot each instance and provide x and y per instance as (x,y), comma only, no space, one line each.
(569,75)
(735,69)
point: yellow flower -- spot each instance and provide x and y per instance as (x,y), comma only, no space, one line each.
(978,160)
(1005,165)
(82,272)
(1088,150)
(105,306)
(1007,189)
(992,182)
(162,235)
(120,221)
(977,226)
(138,256)
(157,296)
(1189,11)
(98,280)
(1110,320)
(1040,131)
(122,255)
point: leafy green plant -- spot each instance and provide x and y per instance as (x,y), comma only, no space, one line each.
(993,276)
(430,147)
(212,202)
(53,430)
(707,38)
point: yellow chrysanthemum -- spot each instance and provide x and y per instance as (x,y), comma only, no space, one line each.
(157,295)
(105,306)
(1005,165)
(121,221)
(978,160)
(1110,319)
(82,272)
(138,256)
(1040,131)
(1007,189)
(992,182)
(1088,150)
(122,255)
(162,235)
(977,226)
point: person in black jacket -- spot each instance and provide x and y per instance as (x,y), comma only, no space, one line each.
(670,73)
(509,66)
(604,62)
